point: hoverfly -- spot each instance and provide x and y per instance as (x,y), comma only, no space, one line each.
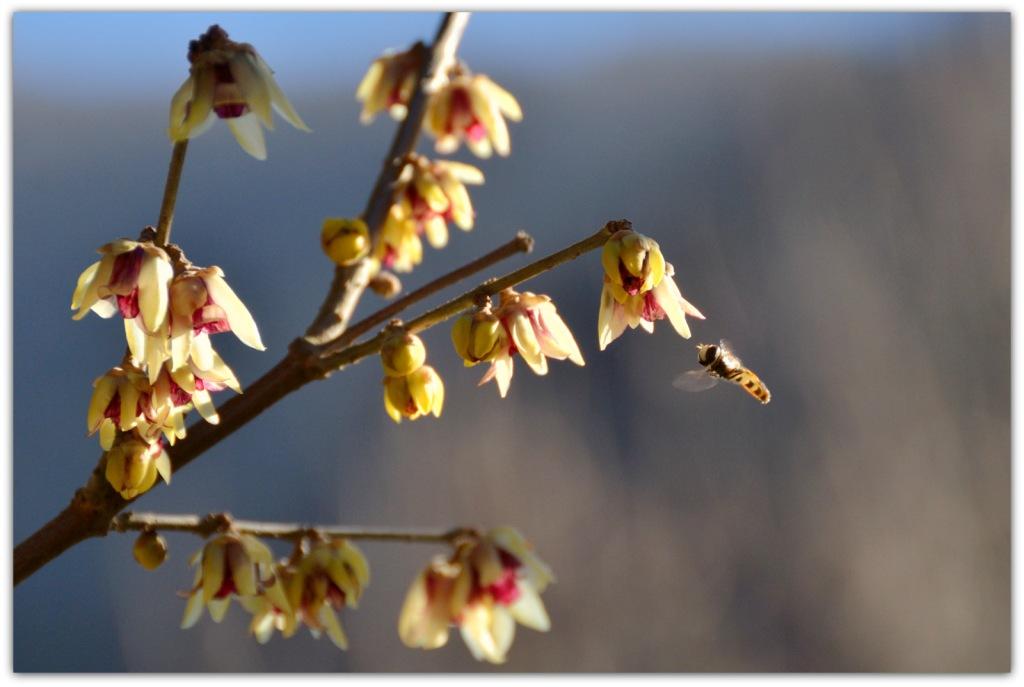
(719,362)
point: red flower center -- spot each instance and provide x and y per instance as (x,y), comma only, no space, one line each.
(652,310)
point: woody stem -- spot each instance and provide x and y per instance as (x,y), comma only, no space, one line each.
(207,525)
(163,227)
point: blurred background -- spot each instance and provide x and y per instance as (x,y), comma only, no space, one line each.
(834,192)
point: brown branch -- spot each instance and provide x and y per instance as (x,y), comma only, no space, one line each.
(352,354)
(350,282)
(522,243)
(163,226)
(211,524)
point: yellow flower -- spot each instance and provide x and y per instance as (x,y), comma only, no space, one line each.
(150,550)
(323,580)
(399,247)
(229,565)
(402,354)
(131,278)
(471,108)
(478,336)
(620,309)
(414,395)
(229,81)
(533,328)
(632,262)
(345,241)
(388,84)
(133,465)
(431,194)
(201,304)
(488,585)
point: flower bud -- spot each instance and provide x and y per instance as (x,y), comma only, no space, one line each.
(632,262)
(345,241)
(150,550)
(476,336)
(386,284)
(402,354)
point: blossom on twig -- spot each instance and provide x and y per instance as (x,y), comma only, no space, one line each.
(533,329)
(229,81)
(472,109)
(388,84)
(639,289)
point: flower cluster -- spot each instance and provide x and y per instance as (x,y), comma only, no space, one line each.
(428,195)
(306,589)
(411,388)
(229,81)
(487,585)
(638,289)
(524,323)
(171,366)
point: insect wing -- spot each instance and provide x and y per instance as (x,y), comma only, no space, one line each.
(695,380)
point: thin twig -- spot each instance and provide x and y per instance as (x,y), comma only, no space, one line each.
(350,282)
(163,227)
(207,525)
(522,243)
(467,300)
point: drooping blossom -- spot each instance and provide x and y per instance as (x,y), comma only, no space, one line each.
(229,81)
(190,385)
(134,464)
(229,566)
(533,329)
(472,109)
(131,279)
(201,304)
(345,241)
(414,395)
(331,575)
(638,289)
(388,84)
(488,585)
(433,193)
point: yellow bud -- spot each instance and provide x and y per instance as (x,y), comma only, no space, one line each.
(130,467)
(476,336)
(345,241)
(402,354)
(414,395)
(150,550)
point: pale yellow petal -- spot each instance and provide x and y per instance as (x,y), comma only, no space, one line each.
(529,610)
(218,608)
(277,96)
(237,314)
(193,610)
(254,89)
(249,134)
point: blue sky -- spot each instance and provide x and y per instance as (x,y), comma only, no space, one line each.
(70,53)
